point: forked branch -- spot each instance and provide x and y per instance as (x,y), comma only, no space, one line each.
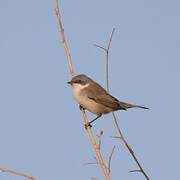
(121,136)
(107,58)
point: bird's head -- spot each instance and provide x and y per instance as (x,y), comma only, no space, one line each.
(80,79)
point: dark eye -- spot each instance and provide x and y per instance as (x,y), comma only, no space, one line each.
(79,81)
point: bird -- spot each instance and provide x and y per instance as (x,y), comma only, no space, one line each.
(94,98)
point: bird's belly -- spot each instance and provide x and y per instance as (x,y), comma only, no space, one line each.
(93,107)
(90,104)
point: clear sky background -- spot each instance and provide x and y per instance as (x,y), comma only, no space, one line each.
(41,129)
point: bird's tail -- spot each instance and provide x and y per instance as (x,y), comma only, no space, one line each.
(126,106)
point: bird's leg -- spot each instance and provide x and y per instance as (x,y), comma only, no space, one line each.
(95,118)
(89,123)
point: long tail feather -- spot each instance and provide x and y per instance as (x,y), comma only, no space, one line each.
(125,106)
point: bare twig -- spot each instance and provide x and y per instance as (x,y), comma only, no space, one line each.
(107,58)
(89,131)
(64,41)
(100,47)
(117,137)
(135,171)
(100,138)
(110,158)
(6,170)
(91,163)
(129,148)
(121,136)
(99,156)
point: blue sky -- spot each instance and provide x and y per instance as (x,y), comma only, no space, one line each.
(42,132)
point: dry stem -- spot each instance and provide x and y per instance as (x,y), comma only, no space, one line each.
(6,170)
(64,42)
(107,58)
(89,131)
(100,138)
(110,159)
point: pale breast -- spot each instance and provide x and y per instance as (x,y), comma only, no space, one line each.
(77,92)
(87,103)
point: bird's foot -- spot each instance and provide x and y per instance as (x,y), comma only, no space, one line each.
(81,108)
(88,125)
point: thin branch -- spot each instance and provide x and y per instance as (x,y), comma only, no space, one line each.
(99,156)
(110,159)
(91,163)
(100,47)
(129,148)
(110,39)
(117,137)
(89,131)
(88,163)
(64,41)
(107,58)
(6,170)
(114,117)
(135,171)
(100,138)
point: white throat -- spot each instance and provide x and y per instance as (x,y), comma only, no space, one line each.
(77,89)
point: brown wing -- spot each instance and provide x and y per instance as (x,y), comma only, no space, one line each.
(98,94)
(101,96)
